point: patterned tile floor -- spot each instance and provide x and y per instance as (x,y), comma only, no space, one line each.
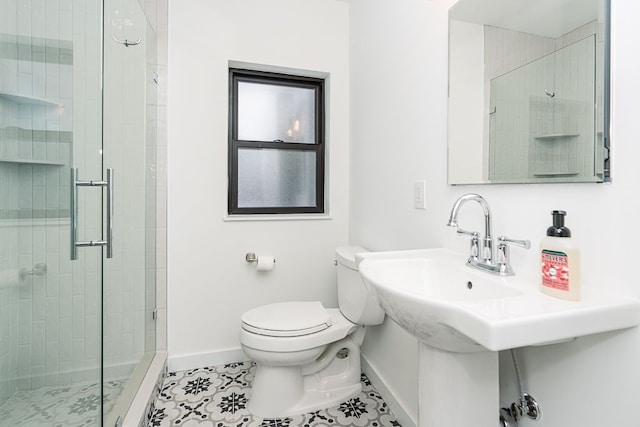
(63,406)
(217,397)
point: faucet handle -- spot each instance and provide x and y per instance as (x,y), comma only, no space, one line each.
(474,245)
(503,241)
(467,233)
(503,253)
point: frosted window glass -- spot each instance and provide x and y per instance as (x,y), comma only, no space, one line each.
(273,112)
(276,178)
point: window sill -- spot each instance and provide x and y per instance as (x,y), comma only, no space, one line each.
(277,217)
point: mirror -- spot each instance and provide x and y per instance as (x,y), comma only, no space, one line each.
(528,91)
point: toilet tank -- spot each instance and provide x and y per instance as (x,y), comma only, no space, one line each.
(354,299)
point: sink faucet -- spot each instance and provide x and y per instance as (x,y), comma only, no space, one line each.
(487,247)
(482,255)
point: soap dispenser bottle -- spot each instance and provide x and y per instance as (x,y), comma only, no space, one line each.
(560,261)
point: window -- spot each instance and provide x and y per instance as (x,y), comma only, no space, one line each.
(276,143)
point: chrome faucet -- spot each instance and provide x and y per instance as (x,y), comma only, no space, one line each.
(486,254)
(481,255)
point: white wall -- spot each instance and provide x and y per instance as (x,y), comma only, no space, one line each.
(209,283)
(467,95)
(399,135)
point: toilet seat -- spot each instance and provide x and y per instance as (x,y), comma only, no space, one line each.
(287,319)
(338,328)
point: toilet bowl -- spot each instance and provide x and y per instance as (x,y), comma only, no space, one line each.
(301,373)
(308,356)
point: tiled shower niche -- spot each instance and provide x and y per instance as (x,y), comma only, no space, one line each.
(36,91)
(542,123)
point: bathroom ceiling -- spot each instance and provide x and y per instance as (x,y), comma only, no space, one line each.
(549,18)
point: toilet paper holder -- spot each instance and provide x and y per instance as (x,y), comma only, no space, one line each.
(252,257)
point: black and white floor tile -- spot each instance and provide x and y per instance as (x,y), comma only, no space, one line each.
(217,397)
(62,406)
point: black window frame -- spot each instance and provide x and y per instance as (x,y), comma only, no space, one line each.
(237,75)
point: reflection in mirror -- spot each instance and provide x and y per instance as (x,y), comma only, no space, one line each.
(528,91)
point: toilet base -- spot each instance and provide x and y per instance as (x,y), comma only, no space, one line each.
(281,391)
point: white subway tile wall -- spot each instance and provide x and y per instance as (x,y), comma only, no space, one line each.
(536,134)
(37,124)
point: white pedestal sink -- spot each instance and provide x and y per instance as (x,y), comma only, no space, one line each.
(463,317)
(457,389)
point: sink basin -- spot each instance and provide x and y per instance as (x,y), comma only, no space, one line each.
(433,295)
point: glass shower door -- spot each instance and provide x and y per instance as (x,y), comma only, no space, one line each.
(77,90)
(129,122)
(50,121)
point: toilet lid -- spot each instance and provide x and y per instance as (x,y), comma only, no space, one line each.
(287,319)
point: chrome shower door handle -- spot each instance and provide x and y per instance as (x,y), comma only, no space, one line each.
(73,213)
(110,213)
(75,183)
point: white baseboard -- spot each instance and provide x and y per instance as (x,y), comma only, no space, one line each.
(396,406)
(200,360)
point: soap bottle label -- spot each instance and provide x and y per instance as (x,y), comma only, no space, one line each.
(555,270)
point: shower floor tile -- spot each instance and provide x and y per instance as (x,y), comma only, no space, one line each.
(61,406)
(217,397)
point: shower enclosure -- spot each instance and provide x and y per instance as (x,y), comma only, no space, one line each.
(78,209)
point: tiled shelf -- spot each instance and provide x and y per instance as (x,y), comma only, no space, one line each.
(551,174)
(31,162)
(28,99)
(556,135)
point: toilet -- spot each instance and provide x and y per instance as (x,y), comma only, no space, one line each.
(308,356)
